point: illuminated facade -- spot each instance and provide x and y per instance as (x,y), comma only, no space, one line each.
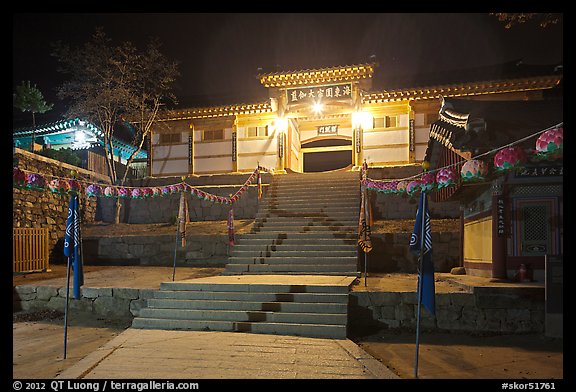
(316,120)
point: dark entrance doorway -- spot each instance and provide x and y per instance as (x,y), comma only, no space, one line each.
(326,155)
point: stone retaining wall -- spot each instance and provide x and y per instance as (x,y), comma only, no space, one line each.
(200,250)
(391,252)
(112,303)
(495,310)
(39,209)
(485,310)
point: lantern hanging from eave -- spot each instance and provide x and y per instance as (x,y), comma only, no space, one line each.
(551,143)
(136,193)
(445,177)
(509,158)
(427,182)
(165,191)
(474,170)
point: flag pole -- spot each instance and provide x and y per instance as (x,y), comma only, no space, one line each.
(365,253)
(420,281)
(66,308)
(176,248)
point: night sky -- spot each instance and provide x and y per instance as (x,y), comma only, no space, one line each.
(219,54)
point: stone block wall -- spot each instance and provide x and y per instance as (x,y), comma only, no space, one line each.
(484,310)
(157,250)
(39,209)
(391,253)
(111,303)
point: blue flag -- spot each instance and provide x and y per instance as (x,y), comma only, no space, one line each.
(72,244)
(427,272)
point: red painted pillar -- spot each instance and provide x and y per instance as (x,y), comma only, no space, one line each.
(498,230)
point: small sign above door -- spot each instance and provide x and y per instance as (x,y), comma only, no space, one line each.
(327,130)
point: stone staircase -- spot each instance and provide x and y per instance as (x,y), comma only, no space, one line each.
(290,276)
(282,305)
(306,224)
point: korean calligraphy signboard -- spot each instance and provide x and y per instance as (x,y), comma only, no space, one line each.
(327,130)
(314,93)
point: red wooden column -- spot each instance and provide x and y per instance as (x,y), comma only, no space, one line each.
(499,269)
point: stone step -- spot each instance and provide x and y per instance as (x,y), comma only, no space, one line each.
(255,240)
(293,273)
(344,269)
(314,192)
(296,247)
(295,221)
(296,252)
(191,295)
(244,315)
(239,305)
(304,222)
(303,229)
(335,215)
(292,235)
(309,330)
(274,288)
(300,258)
(320,203)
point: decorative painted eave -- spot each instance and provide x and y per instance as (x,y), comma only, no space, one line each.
(217,111)
(61,126)
(464,89)
(317,76)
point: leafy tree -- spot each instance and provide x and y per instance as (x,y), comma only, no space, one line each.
(111,86)
(28,98)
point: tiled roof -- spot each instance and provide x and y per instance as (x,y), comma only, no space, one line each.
(317,76)
(217,111)
(464,89)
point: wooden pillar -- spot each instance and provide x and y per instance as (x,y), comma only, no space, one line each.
(499,269)
(235,146)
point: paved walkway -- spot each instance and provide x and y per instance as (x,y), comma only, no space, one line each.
(150,354)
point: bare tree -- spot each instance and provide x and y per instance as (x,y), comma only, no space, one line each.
(511,19)
(109,85)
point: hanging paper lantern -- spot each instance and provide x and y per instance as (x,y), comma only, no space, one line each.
(445,177)
(54,185)
(551,143)
(110,191)
(413,187)
(18,177)
(35,181)
(93,190)
(123,193)
(391,187)
(74,186)
(509,158)
(165,190)
(474,170)
(147,192)
(172,188)
(401,186)
(136,193)
(178,188)
(427,182)
(156,191)
(59,186)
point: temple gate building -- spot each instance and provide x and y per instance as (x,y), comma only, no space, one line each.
(324,119)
